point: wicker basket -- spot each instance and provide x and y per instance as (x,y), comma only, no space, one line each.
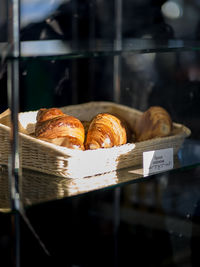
(48,158)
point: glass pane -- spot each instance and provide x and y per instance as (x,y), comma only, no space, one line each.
(69,20)
(137,53)
(92,26)
(167,79)
(153,223)
(161,19)
(4,185)
(3,21)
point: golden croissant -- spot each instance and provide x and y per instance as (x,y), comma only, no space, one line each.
(154,122)
(58,128)
(105,131)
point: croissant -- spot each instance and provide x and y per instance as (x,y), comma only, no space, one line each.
(105,131)
(53,126)
(154,122)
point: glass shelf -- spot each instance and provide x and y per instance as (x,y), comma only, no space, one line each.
(39,187)
(61,49)
(31,69)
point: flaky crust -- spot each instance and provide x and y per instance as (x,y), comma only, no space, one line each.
(154,122)
(105,131)
(56,127)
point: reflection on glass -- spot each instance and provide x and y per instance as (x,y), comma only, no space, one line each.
(172,9)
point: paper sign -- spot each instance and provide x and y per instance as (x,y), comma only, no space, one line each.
(158,161)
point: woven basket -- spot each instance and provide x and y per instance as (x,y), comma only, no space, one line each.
(48,158)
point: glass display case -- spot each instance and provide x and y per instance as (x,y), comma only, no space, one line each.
(68,53)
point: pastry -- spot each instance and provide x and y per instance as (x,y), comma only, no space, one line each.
(58,128)
(105,131)
(154,122)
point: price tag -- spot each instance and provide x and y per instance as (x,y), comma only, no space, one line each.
(158,161)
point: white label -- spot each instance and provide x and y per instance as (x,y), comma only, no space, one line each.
(157,161)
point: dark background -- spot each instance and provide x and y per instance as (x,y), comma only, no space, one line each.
(91,230)
(169,79)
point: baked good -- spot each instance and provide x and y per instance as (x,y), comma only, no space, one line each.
(105,131)
(53,126)
(154,122)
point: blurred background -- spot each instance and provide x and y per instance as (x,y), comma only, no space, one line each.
(170,79)
(135,52)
